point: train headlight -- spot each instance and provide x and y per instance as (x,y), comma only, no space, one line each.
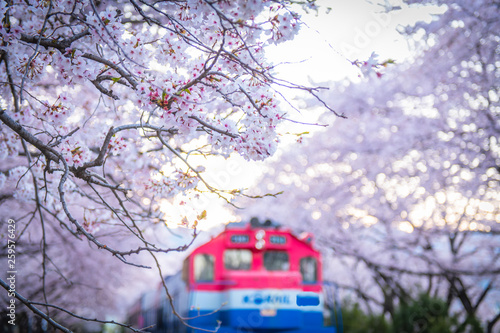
(260,244)
(260,235)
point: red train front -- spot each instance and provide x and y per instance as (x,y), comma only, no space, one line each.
(256,278)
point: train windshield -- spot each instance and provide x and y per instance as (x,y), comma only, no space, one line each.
(204,267)
(308,269)
(238,259)
(276,261)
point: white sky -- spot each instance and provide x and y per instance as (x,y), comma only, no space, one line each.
(347,29)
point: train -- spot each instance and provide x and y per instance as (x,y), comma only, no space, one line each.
(253,277)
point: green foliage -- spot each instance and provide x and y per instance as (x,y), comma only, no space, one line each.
(423,315)
(471,325)
(356,321)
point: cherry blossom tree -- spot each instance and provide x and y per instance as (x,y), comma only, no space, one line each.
(404,194)
(107,108)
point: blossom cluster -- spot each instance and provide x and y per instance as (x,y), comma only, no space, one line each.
(171,184)
(74,152)
(372,66)
(114,91)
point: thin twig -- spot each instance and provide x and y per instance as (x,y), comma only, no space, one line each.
(35,310)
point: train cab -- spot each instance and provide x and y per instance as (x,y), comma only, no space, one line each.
(253,278)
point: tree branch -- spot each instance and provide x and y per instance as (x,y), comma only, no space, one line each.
(35,310)
(49,152)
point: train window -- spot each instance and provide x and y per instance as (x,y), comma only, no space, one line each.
(276,261)
(204,267)
(240,239)
(238,259)
(277,240)
(309,269)
(159,318)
